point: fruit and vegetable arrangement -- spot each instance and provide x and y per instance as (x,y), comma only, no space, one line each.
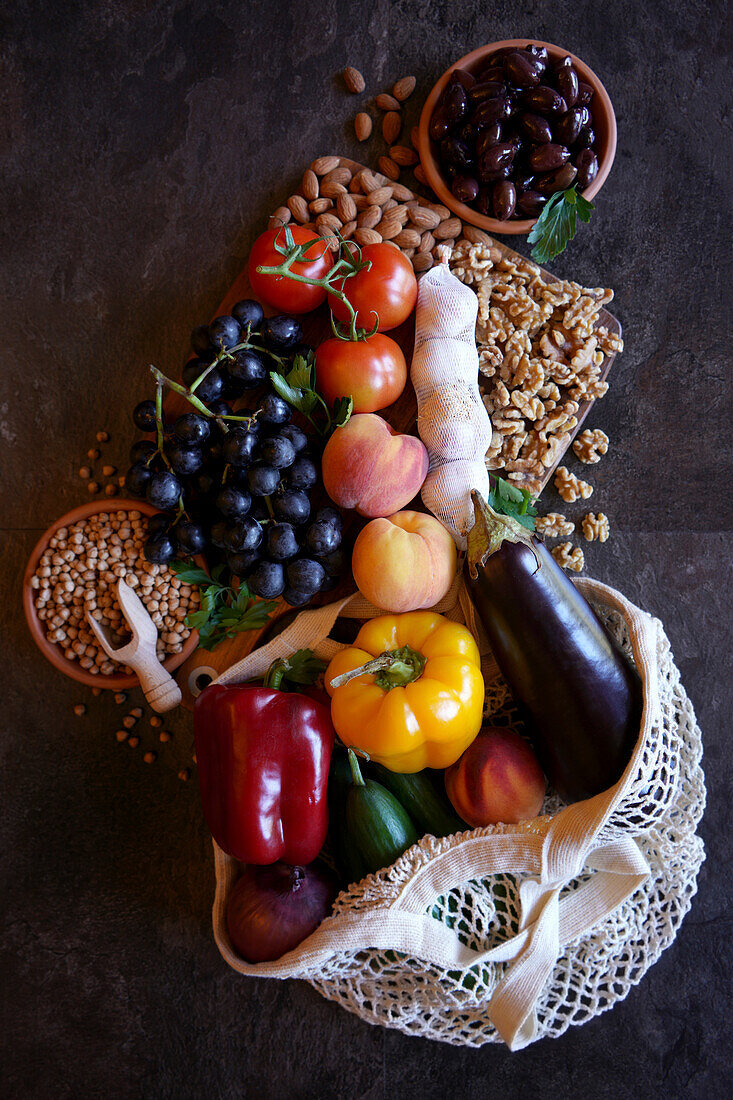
(283,477)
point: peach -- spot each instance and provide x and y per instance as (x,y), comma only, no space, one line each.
(498,778)
(368,466)
(404,562)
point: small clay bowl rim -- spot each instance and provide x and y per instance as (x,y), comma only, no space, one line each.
(606,135)
(51,650)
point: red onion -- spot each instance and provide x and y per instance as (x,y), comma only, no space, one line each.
(272,909)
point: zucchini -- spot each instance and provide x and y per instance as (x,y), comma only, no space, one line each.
(417,793)
(378,828)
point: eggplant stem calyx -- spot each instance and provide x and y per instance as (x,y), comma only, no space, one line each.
(488,533)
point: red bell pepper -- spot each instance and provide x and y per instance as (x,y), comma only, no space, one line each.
(263,757)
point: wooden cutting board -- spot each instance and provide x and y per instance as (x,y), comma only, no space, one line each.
(202,666)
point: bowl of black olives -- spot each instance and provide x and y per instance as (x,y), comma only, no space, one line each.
(509,125)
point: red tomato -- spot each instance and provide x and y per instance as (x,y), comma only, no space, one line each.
(373,371)
(388,288)
(278,291)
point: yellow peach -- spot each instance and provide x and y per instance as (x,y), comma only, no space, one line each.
(404,562)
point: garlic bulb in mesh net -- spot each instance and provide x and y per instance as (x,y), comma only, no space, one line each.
(452,420)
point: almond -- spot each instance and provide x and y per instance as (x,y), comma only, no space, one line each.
(362,126)
(389,227)
(328,222)
(348,230)
(414,137)
(420,175)
(309,185)
(360,201)
(368,181)
(389,168)
(366,236)
(408,238)
(380,195)
(401,155)
(391,126)
(320,205)
(404,88)
(346,207)
(423,217)
(331,240)
(353,80)
(369,217)
(451,227)
(322,165)
(442,211)
(422,261)
(404,194)
(387,102)
(476,236)
(340,174)
(427,242)
(408,252)
(332,190)
(390,204)
(282,215)
(401,213)
(298,208)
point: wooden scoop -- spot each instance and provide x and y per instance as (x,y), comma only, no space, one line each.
(161,690)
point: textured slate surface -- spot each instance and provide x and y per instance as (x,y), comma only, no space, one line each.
(141,145)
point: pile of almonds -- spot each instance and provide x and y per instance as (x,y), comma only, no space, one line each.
(357,204)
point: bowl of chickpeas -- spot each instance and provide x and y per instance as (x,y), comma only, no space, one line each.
(75,567)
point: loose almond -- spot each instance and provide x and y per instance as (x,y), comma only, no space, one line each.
(281,215)
(340,174)
(401,155)
(369,217)
(309,185)
(353,80)
(413,137)
(427,242)
(347,230)
(320,205)
(404,194)
(328,222)
(451,227)
(362,126)
(322,165)
(367,236)
(298,208)
(331,189)
(380,196)
(331,240)
(391,126)
(389,168)
(420,175)
(346,207)
(476,236)
(442,211)
(404,88)
(422,261)
(423,217)
(389,227)
(387,102)
(408,238)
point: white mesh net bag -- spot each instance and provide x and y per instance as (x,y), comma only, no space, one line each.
(513,932)
(451,418)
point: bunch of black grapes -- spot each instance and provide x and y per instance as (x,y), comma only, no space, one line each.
(243,493)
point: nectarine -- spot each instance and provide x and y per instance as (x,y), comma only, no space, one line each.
(404,562)
(498,778)
(367,466)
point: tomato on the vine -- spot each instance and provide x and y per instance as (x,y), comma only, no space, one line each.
(388,288)
(373,372)
(278,291)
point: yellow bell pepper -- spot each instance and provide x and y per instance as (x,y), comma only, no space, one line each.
(418,703)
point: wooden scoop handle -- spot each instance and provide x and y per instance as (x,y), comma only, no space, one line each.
(160,689)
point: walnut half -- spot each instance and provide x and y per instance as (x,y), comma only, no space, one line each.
(570,487)
(554,526)
(596,527)
(590,445)
(569,557)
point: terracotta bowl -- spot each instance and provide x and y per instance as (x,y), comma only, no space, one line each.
(604,124)
(53,652)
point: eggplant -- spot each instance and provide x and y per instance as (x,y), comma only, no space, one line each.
(582,697)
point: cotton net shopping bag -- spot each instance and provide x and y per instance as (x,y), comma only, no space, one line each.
(512,932)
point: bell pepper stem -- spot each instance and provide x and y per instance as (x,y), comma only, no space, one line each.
(391,669)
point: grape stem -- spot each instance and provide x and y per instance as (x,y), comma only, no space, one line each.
(346,266)
(162,380)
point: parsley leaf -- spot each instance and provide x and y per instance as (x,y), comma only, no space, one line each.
(510,500)
(224,611)
(557,224)
(298,388)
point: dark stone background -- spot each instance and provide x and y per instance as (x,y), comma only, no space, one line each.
(142,144)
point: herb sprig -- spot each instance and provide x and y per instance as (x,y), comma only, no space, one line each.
(224,611)
(557,224)
(510,500)
(298,388)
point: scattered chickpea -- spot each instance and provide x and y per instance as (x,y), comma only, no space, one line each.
(85,472)
(121,735)
(128,722)
(137,712)
(110,490)
(120,697)
(92,487)
(156,721)
(80,709)
(93,454)
(184,774)
(165,736)
(109,471)
(102,437)
(96,691)
(133,742)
